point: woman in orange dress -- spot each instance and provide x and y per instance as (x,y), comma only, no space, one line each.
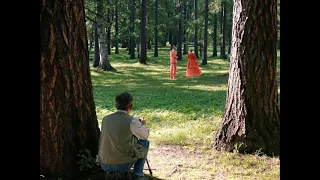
(192,66)
(173,62)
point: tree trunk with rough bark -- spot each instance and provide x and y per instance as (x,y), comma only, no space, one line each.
(68,121)
(251,116)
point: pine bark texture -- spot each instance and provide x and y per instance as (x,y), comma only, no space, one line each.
(68,120)
(251,116)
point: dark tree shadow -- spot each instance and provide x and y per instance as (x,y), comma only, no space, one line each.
(101,176)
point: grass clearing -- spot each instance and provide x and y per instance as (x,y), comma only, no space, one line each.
(183,116)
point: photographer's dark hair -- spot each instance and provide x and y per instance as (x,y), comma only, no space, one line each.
(123,101)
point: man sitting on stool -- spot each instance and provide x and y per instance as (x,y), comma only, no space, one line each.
(123,141)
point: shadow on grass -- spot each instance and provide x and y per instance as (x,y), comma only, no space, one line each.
(101,176)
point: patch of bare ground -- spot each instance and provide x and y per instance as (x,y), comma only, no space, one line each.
(171,162)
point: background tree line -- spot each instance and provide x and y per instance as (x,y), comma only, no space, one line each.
(68,119)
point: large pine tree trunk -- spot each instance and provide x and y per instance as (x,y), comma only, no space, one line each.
(68,120)
(101,23)
(131,29)
(252,112)
(143,33)
(205,33)
(156,28)
(215,29)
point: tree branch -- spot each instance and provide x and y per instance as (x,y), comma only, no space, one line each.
(87,17)
(96,14)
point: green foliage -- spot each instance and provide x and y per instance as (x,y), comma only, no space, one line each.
(86,162)
(238,147)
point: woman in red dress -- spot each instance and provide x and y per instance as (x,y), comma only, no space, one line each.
(192,66)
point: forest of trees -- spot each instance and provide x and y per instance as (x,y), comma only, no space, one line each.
(252,89)
(187,24)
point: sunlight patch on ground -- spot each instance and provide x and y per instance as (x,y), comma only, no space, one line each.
(94,73)
(217,87)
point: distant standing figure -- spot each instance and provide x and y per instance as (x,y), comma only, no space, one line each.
(193,68)
(173,62)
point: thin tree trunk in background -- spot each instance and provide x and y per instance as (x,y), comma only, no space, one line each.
(252,115)
(143,33)
(223,31)
(196,28)
(205,32)
(101,23)
(148,36)
(68,121)
(138,44)
(215,29)
(200,44)
(96,60)
(123,43)
(149,44)
(230,32)
(109,28)
(185,22)
(156,29)
(170,37)
(91,37)
(179,30)
(132,40)
(116,28)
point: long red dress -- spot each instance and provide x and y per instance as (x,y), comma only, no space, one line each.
(173,64)
(193,68)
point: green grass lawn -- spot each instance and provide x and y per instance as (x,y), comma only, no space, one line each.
(183,112)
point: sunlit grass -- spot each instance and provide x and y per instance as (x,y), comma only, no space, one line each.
(184,112)
(165,103)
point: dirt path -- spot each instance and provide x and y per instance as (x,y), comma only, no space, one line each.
(175,162)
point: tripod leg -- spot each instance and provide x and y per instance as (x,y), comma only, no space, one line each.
(149,167)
